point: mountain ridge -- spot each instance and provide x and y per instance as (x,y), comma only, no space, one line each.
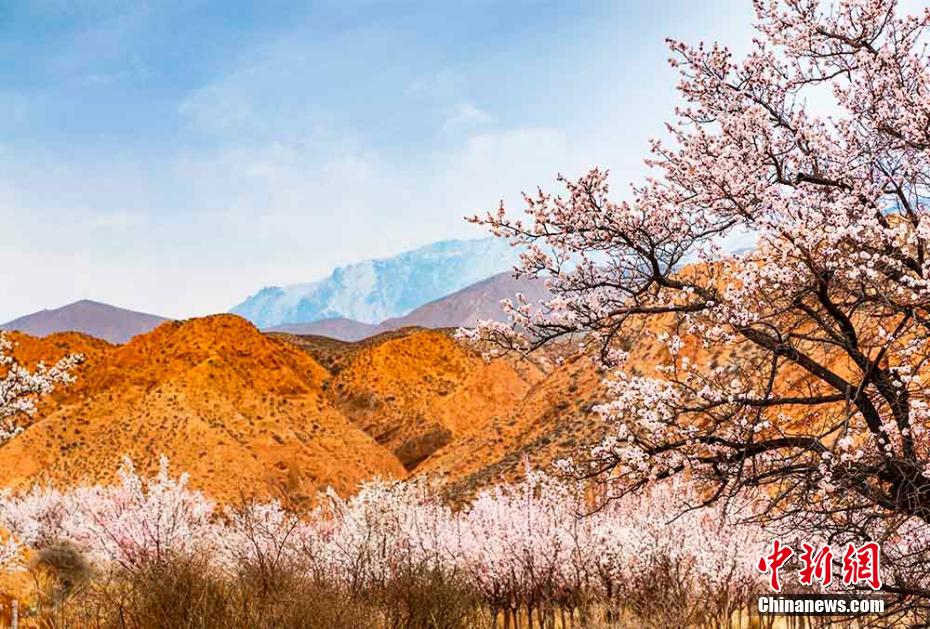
(462,308)
(338,328)
(295,414)
(103,321)
(372,291)
(206,392)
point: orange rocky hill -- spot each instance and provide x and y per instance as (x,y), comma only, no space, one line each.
(291,414)
(237,410)
(476,422)
(245,412)
(554,420)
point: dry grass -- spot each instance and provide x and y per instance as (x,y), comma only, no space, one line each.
(190,593)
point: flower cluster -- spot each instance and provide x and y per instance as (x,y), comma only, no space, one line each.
(20,387)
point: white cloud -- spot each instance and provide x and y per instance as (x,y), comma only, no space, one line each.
(466,115)
(118,220)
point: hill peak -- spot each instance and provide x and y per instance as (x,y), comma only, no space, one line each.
(97,319)
(88,302)
(223,324)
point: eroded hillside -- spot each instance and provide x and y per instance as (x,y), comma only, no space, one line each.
(237,410)
(417,391)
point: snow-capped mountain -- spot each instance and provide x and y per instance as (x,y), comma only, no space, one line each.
(375,290)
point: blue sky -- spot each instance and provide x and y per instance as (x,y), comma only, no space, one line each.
(174,156)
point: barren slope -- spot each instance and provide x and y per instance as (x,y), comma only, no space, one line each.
(237,410)
(553,421)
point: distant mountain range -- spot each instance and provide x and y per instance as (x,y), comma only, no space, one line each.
(375,290)
(446,284)
(116,325)
(462,308)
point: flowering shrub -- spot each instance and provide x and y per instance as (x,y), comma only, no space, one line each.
(19,389)
(137,521)
(532,545)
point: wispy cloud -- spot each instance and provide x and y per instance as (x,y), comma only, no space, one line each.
(465,116)
(173,156)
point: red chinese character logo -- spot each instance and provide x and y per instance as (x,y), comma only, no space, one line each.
(862,564)
(774,561)
(816,566)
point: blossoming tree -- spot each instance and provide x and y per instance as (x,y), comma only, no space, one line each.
(19,389)
(819,334)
